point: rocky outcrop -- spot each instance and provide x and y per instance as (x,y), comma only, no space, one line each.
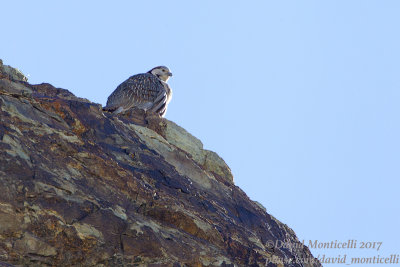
(81,187)
(11,73)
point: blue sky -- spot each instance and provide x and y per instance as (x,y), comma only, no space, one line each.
(301,98)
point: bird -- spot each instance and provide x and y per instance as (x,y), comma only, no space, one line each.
(147,91)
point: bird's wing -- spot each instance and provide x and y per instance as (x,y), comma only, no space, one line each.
(160,103)
(142,91)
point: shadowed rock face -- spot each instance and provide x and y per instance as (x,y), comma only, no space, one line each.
(82,187)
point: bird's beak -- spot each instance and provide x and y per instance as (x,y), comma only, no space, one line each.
(169,74)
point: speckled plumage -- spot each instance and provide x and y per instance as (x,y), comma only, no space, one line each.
(148,91)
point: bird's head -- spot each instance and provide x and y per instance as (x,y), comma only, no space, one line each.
(162,73)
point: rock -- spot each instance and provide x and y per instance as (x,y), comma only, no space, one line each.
(12,73)
(32,245)
(180,160)
(83,187)
(182,140)
(217,166)
(260,205)
(13,88)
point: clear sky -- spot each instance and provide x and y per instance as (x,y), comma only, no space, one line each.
(301,98)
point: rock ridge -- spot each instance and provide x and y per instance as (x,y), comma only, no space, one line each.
(81,187)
